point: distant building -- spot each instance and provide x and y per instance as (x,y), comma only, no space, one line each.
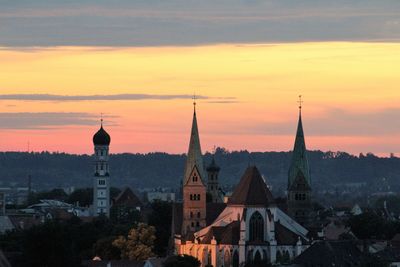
(330,253)
(101,181)
(213,188)
(157,195)
(125,206)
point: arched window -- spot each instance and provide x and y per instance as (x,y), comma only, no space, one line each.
(198,214)
(257,257)
(191,214)
(194,178)
(191,197)
(235,259)
(227,258)
(256,227)
(198,197)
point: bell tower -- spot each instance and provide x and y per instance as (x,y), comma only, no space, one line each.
(194,189)
(299,181)
(212,181)
(101,180)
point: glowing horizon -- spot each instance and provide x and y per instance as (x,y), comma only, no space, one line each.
(249,97)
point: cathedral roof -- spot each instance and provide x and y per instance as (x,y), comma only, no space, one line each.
(251,190)
(228,234)
(299,163)
(101,137)
(194,157)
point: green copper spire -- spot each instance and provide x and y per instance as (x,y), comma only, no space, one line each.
(194,157)
(299,164)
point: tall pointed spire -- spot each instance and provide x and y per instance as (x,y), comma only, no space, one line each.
(299,164)
(194,156)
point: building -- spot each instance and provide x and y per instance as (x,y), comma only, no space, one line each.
(330,253)
(126,206)
(248,228)
(101,180)
(299,181)
(213,188)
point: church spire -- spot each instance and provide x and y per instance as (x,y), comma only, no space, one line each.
(194,156)
(299,164)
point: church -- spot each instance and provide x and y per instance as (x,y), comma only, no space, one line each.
(249,226)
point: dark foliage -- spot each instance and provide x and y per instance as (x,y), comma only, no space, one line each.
(50,170)
(370,225)
(181,261)
(160,218)
(57,243)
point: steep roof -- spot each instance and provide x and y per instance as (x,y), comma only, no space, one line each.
(194,156)
(251,190)
(127,198)
(228,234)
(299,163)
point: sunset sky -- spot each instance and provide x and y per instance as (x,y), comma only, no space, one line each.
(140,62)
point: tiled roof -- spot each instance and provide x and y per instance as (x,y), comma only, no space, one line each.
(330,253)
(251,190)
(127,198)
(284,236)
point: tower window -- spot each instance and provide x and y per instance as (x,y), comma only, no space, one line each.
(212,187)
(191,214)
(192,224)
(198,196)
(197,224)
(101,152)
(194,178)
(191,197)
(198,214)
(102,182)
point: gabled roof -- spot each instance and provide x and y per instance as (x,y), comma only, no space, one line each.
(251,190)
(299,163)
(194,156)
(331,253)
(127,198)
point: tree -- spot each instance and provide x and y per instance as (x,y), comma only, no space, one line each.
(181,261)
(105,249)
(160,218)
(84,196)
(139,243)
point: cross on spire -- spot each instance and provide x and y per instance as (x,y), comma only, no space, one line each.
(300,102)
(194,101)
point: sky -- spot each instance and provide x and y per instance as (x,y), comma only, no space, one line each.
(64,63)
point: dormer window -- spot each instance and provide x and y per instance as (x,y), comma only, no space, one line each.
(194,178)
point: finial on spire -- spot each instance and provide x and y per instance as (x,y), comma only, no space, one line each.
(300,103)
(214,149)
(194,101)
(101,119)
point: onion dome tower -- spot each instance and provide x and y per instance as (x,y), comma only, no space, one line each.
(212,182)
(101,181)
